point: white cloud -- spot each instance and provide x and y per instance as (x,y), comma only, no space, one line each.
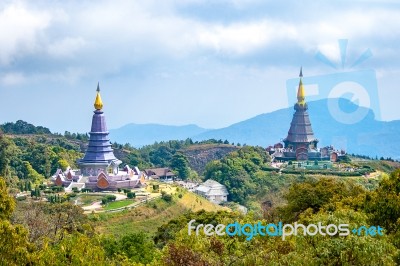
(66,47)
(243,38)
(172,50)
(19,31)
(12,78)
(101,38)
(124,32)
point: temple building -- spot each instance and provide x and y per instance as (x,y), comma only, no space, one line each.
(300,143)
(212,191)
(99,168)
(162,174)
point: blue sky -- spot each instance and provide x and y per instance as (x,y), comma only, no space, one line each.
(210,63)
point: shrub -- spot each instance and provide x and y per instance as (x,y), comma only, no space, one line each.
(153,205)
(57,188)
(269,169)
(344,159)
(167,197)
(111,197)
(131,195)
(63,198)
(72,195)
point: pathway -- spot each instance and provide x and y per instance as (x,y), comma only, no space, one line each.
(97,204)
(97,207)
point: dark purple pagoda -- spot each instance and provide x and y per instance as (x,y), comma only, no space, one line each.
(300,143)
(99,155)
(300,138)
(99,167)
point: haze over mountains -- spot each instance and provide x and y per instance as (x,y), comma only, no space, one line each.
(142,134)
(367,137)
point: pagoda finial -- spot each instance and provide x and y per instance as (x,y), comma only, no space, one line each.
(98,103)
(300,92)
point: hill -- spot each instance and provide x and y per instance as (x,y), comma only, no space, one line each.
(144,134)
(368,136)
(149,217)
(22,127)
(199,155)
(34,157)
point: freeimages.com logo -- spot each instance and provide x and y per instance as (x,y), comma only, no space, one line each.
(281,230)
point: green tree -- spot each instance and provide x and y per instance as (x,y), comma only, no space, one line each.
(185,249)
(22,127)
(137,247)
(383,204)
(349,250)
(344,159)
(131,195)
(314,194)
(31,174)
(41,157)
(63,164)
(37,192)
(166,197)
(180,164)
(66,252)
(14,246)
(169,230)
(161,156)
(4,155)
(7,203)
(241,172)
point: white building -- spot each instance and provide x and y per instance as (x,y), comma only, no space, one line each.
(213,191)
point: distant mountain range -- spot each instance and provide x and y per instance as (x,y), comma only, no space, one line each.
(366,137)
(142,134)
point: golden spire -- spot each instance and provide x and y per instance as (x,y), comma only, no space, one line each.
(98,103)
(300,93)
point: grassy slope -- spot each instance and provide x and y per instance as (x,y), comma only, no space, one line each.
(149,217)
(118,204)
(383,166)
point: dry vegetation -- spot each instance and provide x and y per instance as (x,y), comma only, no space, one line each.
(149,217)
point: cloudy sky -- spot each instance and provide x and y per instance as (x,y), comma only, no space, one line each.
(210,63)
